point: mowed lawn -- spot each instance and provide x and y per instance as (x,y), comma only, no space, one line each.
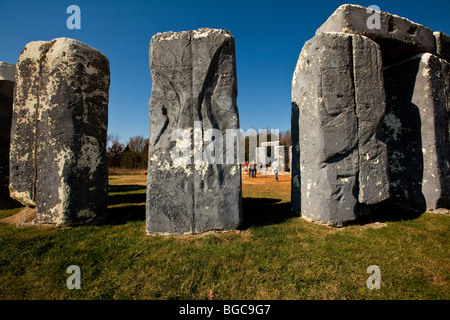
(274,255)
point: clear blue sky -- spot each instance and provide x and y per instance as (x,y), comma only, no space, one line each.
(268,34)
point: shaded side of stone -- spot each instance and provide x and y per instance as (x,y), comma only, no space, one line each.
(290,160)
(194,91)
(442,45)
(6,102)
(416,128)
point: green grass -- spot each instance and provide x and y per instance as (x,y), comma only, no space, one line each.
(275,255)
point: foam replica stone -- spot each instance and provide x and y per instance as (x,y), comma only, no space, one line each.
(194,91)
(398,37)
(261,156)
(282,157)
(338,103)
(7,80)
(416,127)
(58,145)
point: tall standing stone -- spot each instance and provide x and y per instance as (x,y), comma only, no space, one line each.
(338,105)
(370,116)
(193,99)
(58,136)
(7,80)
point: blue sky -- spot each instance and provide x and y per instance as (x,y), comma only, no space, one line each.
(269,36)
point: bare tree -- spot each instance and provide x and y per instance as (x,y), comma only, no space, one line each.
(111,139)
(115,150)
(136,143)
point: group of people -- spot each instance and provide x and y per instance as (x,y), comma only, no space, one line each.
(252,169)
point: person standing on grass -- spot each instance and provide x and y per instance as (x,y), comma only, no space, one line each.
(275,169)
(253,168)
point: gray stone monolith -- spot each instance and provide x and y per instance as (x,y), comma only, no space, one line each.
(7,80)
(59,128)
(338,104)
(282,157)
(193,99)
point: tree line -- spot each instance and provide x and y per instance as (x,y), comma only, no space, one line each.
(134,155)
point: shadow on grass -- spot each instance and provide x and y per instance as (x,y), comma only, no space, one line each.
(9,203)
(265,211)
(125,188)
(125,214)
(126,198)
(256,211)
(132,208)
(388,212)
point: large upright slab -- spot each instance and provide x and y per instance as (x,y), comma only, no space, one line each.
(7,80)
(194,91)
(370,116)
(338,103)
(416,127)
(58,144)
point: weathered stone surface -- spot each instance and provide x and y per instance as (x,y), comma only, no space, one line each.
(416,128)
(194,89)
(7,80)
(58,145)
(442,45)
(338,103)
(398,37)
(370,102)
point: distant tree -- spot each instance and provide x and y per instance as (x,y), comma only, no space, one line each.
(285,138)
(135,154)
(137,143)
(115,151)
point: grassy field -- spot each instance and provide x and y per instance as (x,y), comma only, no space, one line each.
(274,255)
